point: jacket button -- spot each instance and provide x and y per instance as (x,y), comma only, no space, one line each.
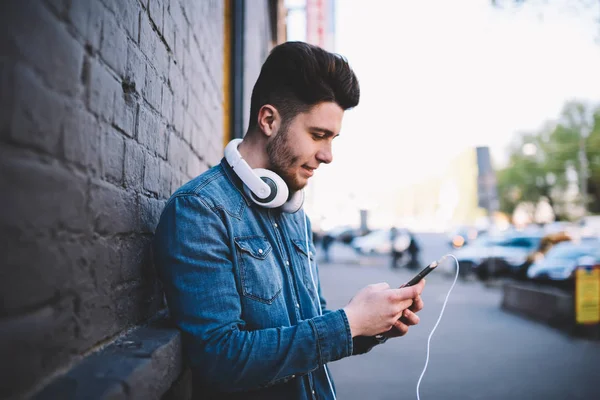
(275,225)
(260,251)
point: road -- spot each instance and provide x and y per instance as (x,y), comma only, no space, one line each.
(477,352)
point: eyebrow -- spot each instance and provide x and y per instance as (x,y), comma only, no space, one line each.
(327,132)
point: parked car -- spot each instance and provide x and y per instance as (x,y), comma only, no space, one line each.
(474,253)
(562,260)
(547,242)
(344,233)
(379,242)
(505,257)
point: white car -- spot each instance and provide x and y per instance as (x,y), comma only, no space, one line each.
(379,242)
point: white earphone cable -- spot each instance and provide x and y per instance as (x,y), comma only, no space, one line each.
(312,277)
(436,325)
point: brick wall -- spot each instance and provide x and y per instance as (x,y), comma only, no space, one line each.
(106,106)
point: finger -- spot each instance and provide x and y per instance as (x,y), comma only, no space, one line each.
(380,286)
(406,292)
(417,304)
(410,318)
(399,329)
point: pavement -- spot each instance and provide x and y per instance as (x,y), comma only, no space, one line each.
(478,351)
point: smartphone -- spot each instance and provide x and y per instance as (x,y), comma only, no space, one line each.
(417,278)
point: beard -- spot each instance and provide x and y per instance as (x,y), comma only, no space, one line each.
(282,159)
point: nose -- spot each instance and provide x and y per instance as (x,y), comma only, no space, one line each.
(325,155)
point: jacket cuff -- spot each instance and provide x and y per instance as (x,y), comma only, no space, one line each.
(334,338)
(364,344)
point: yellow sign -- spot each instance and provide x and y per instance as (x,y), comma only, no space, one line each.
(587,295)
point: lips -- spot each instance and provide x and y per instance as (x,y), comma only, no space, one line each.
(309,170)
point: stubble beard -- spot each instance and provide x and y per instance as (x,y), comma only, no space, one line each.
(282,159)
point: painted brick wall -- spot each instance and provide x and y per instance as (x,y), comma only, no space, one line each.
(106,107)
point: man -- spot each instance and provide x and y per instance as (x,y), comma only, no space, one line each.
(239,273)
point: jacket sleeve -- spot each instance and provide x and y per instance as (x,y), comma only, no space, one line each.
(360,344)
(193,259)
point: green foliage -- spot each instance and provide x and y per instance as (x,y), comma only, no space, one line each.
(545,164)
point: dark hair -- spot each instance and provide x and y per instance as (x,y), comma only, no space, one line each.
(296,76)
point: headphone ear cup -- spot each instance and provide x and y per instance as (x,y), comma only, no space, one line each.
(294,203)
(279,190)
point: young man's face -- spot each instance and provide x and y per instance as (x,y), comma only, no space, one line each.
(297,152)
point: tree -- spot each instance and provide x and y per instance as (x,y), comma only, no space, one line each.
(547,165)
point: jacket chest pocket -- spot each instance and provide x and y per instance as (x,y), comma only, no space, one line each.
(260,276)
(303,257)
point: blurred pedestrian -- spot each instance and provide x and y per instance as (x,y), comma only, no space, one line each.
(413,250)
(328,240)
(395,248)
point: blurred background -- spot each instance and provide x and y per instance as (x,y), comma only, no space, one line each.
(477,134)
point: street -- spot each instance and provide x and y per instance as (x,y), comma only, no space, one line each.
(477,352)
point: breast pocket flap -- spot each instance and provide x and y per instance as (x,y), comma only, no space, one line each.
(256,246)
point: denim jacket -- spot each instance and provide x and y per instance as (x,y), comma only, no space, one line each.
(237,282)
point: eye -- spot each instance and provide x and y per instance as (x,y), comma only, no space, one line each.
(318,136)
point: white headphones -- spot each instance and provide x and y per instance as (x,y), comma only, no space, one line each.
(263,186)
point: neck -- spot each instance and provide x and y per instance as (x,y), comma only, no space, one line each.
(253,150)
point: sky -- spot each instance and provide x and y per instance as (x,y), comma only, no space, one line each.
(438,77)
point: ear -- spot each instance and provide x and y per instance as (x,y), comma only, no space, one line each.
(269,119)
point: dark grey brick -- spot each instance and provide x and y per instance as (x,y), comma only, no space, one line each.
(166,173)
(58,6)
(150,210)
(114,45)
(134,165)
(148,40)
(82,139)
(152,174)
(113,154)
(127,14)
(189,128)
(36,194)
(38,113)
(198,140)
(161,60)
(152,132)
(102,90)
(7,93)
(49,47)
(125,114)
(178,116)
(35,344)
(178,86)
(136,67)
(177,151)
(167,104)
(161,140)
(169,30)
(32,270)
(155,9)
(194,167)
(114,210)
(136,255)
(152,88)
(87,17)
